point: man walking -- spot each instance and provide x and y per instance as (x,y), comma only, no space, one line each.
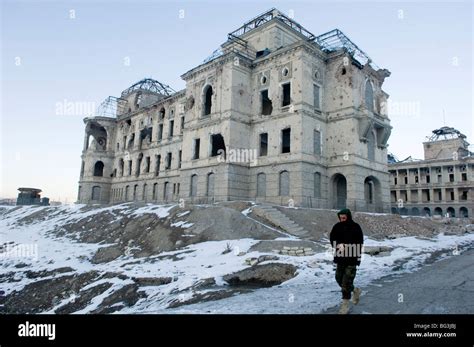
(347,239)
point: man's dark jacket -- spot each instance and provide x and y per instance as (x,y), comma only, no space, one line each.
(348,233)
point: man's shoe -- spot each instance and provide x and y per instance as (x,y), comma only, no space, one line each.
(356,296)
(344,309)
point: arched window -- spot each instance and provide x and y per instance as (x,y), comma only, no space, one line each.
(317,185)
(210,184)
(284,183)
(207,100)
(261,184)
(95,193)
(193,188)
(369,96)
(99,169)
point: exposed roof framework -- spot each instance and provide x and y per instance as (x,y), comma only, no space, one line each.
(335,39)
(111,107)
(151,85)
(446,133)
(266,17)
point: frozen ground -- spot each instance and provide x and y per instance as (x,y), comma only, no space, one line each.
(33,251)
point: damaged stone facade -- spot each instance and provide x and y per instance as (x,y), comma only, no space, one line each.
(440,185)
(274,117)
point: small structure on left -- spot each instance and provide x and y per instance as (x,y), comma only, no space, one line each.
(31,196)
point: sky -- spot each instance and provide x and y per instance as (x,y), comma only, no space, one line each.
(60,59)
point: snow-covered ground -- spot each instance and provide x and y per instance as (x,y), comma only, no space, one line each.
(35,248)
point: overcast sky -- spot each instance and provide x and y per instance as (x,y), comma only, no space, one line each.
(54,52)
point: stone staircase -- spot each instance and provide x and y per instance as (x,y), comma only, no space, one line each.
(279,219)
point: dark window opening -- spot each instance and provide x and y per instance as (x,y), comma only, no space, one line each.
(440,178)
(180,154)
(207,100)
(147,164)
(406,179)
(160,132)
(464,176)
(171,128)
(161,114)
(464,195)
(263,144)
(343,71)
(452,195)
(267,107)
(217,145)
(168,160)
(428,179)
(145,135)
(129,167)
(121,165)
(286,94)
(395,180)
(124,142)
(197,145)
(99,169)
(451,177)
(131,142)
(157,164)
(139,165)
(286,140)
(416,179)
(182,125)
(262,53)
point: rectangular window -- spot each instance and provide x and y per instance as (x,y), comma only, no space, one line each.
(416,179)
(286,100)
(168,160)
(317,142)
(451,195)
(286,140)
(406,180)
(427,179)
(395,180)
(263,144)
(179,158)
(197,145)
(266,108)
(451,177)
(129,167)
(147,164)
(316,97)
(157,163)
(181,127)
(124,142)
(464,195)
(160,132)
(171,128)
(464,176)
(440,178)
